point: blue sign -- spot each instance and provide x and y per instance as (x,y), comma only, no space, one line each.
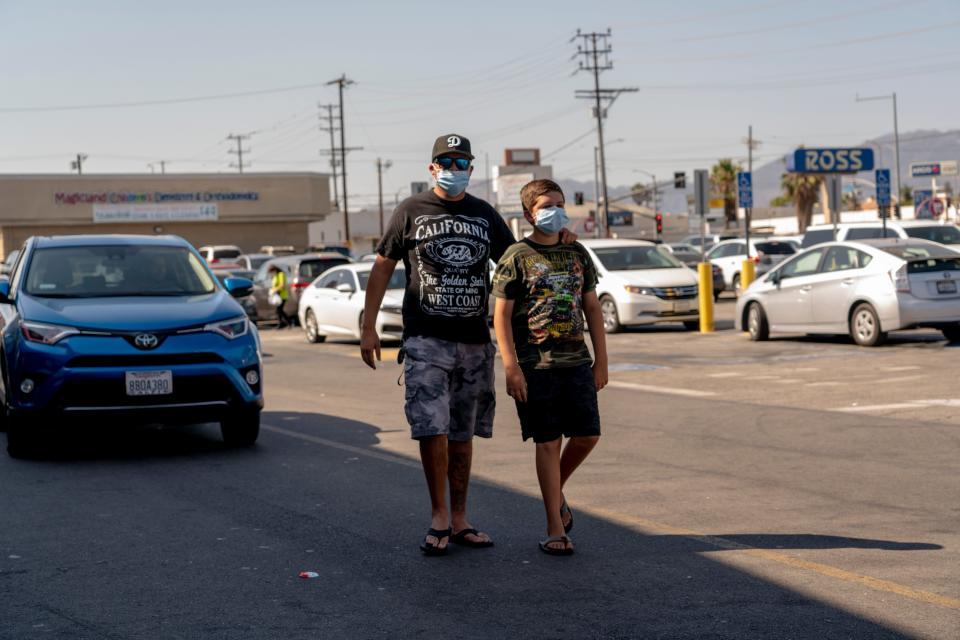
(620,218)
(883,187)
(745,189)
(830,160)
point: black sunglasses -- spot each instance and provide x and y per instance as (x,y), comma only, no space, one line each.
(445,162)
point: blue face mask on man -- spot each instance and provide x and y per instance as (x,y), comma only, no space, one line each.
(453,182)
(550,219)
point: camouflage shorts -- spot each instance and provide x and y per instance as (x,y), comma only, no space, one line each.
(449,388)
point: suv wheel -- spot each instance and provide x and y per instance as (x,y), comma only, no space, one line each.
(20,444)
(952,334)
(865,326)
(241,428)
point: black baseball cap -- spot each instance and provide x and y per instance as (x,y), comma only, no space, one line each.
(451,143)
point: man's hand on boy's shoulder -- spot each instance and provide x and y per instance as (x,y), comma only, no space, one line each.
(567,236)
(600,374)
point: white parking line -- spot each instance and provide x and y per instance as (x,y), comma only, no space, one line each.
(674,391)
(726,374)
(912,404)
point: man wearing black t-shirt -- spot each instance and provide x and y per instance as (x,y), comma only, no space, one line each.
(445,238)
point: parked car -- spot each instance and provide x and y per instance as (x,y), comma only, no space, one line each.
(128,328)
(692,259)
(640,285)
(248,302)
(864,289)
(278,249)
(730,254)
(300,271)
(9,263)
(333,304)
(708,240)
(327,248)
(923,229)
(681,247)
(252,261)
(220,253)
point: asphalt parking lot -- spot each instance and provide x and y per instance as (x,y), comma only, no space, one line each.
(798,488)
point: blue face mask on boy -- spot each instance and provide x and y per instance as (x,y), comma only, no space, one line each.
(453,182)
(551,219)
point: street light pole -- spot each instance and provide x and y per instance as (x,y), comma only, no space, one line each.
(896,138)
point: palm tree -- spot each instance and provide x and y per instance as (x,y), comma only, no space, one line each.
(803,189)
(723,179)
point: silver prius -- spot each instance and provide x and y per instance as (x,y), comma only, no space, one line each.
(863,288)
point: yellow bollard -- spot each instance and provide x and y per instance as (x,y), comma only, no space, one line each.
(748,273)
(705,272)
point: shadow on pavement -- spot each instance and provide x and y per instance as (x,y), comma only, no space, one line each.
(178,536)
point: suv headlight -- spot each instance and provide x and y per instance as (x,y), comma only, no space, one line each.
(230,329)
(46,333)
(643,291)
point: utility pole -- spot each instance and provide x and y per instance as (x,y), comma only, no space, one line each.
(333,150)
(896,139)
(78,163)
(163,166)
(748,211)
(342,82)
(382,165)
(596,191)
(594,47)
(239,151)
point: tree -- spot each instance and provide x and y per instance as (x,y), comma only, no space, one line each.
(906,195)
(803,190)
(641,193)
(851,200)
(723,182)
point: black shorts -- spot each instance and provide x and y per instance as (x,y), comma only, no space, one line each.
(560,402)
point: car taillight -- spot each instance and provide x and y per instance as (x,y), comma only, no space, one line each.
(900,279)
(299,285)
(756,259)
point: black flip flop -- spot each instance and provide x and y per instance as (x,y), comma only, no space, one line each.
(565,507)
(460,538)
(433,549)
(551,551)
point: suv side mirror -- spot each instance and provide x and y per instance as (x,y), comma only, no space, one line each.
(238,287)
(4,289)
(345,287)
(775,278)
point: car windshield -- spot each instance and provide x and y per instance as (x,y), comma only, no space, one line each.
(630,258)
(256,262)
(775,248)
(118,270)
(944,234)
(310,269)
(816,236)
(397,281)
(226,254)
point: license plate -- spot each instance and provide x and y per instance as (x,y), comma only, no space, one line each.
(149,383)
(946,286)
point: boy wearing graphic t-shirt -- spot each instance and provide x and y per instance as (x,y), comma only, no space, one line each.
(544,289)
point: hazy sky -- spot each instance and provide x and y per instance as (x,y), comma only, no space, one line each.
(497,72)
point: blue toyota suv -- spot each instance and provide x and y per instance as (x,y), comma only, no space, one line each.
(132,329)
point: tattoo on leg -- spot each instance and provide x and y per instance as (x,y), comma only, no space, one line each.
(459,475)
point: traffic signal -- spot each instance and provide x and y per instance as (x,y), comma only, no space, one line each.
(679,180)
(578,197)
(659,219)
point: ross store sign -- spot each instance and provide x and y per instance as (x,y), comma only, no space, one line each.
(148,197)
(119,213)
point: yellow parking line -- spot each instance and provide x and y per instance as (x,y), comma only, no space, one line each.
(650,526)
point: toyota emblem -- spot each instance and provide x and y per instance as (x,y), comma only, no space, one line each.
(146,341)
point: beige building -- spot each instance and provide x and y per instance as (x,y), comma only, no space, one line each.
(248,210)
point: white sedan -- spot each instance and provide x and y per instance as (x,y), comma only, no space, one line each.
(333,304)
(864,288)
(640,284)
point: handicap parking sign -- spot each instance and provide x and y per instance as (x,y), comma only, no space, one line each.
(745,189)
(883,187)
